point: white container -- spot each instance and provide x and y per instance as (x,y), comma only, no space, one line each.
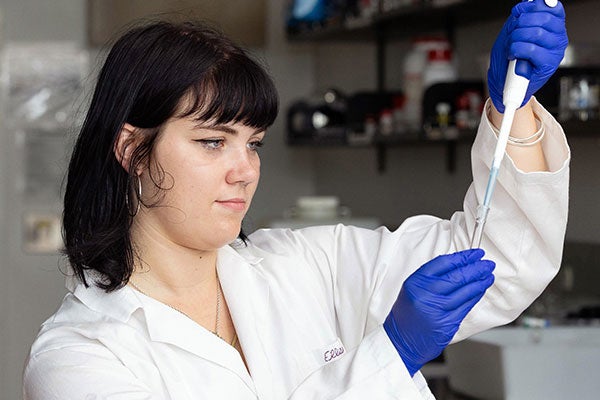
(320,210)
(439,68)
(415,63)
(318,207)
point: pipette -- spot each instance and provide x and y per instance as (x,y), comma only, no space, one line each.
(515,89)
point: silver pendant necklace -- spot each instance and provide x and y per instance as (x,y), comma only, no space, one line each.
(218,311)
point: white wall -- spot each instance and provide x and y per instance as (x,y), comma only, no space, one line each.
(26,20)
(31,287)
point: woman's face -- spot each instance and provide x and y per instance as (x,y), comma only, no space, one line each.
(210,175)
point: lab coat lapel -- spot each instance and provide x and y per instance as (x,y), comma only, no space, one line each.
(169,326)
(247,294)
(164,324)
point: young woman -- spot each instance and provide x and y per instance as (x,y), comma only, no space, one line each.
(169,300)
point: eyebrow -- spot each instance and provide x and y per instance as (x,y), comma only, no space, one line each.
(225,129)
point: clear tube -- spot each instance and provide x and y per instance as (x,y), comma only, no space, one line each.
(484,209)
(482,212)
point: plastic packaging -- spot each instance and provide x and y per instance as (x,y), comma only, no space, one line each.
(309,10)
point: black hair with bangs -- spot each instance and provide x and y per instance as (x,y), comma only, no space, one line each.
(152,73)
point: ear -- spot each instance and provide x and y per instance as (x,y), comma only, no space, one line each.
(125,145)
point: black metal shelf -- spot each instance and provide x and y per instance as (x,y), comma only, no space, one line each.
(413,138)
(407,21)
(572,128)
(381,143)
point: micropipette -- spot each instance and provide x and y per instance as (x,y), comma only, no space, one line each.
(515,89)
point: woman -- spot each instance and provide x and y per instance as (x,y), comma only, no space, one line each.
(169,300)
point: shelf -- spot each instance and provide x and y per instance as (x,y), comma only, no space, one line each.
(405,21)
(409,21)
(394,140)
(383,143)
(572,128)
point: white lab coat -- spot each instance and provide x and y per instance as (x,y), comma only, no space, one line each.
(308,305)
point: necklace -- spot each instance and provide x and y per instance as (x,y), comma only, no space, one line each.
(218,311)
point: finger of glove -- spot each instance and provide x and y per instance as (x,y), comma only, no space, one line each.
(499,62)
(442,296)
(443,285)
(464,275)
(536,36)
(496,85)
(447,262)
(509,25)
(464,294)
(536,6)
(547,21)
(541,58)
(449,323)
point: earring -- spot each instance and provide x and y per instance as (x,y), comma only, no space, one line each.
(139,197)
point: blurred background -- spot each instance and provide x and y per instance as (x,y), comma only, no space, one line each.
(379,104)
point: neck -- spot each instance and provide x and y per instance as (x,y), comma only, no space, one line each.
(167,270)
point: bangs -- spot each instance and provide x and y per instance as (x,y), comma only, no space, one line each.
(233,91)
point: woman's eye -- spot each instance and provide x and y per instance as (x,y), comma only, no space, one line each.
(256,145)
(211,144)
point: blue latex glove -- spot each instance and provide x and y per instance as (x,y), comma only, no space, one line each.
(536,33)
(433,302)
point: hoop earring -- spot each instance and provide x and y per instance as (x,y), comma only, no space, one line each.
(139,198)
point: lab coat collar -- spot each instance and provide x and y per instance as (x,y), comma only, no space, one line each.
(119,304)
(247,294)
(166,325)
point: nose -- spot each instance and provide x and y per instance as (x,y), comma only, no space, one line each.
(244,168)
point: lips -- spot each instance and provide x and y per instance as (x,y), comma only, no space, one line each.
(233,204)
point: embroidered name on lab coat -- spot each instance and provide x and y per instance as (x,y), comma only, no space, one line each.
(331,352)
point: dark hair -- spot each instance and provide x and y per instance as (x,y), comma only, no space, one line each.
(147,74)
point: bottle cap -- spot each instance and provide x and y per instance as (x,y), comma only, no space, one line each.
(439,55)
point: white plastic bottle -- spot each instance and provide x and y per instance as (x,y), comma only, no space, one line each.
(415,63)
(439,68)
